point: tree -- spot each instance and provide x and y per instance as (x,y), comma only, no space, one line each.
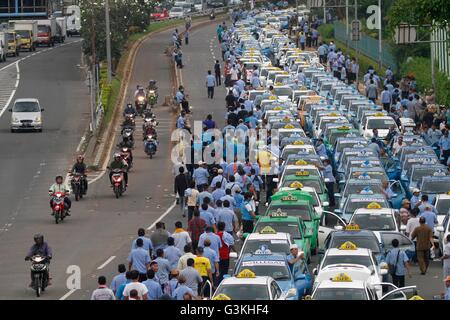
(420,12)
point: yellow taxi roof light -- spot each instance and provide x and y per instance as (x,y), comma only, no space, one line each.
(342,277)
(246,273)
(348,245)
(267,230)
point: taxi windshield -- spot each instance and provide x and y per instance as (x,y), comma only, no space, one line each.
(374,221)
(380,123)
(434,186)
(350,259)
(357,188)
(354,204)
(361,242)
(298,210)
(283,91)
(275,269)
(443,206)
(418,174)
(278,246)
(307,183)
(290,228)
(340,294)
(245,292)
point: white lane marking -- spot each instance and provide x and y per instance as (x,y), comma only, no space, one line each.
(163,215)
(12,92)
(64,297)
(97,177)
(106,262)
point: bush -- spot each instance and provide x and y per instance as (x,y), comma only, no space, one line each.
(420,68)
(326,31)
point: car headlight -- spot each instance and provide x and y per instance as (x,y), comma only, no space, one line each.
(16,120)
(37,119)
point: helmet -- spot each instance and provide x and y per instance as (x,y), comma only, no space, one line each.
(117,155)
(129,105)
(59,177)
(38,237)
(125,149)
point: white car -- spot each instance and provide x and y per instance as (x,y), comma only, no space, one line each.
(357,262)
(380,219)
(26,114)
(176,12)
(380,122)
(247,286)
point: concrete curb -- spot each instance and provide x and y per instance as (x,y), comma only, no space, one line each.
(106,141)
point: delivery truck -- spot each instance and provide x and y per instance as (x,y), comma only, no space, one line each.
(47,32)
(73,22)
(3,45)
(61,29)
(28,31)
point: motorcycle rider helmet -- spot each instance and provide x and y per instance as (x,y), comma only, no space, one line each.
(124,149)
(117,155)
(38,238)
(129,105)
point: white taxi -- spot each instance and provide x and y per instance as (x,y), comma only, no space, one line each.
(247,286)
(376,218)
(381,122)
(357,262)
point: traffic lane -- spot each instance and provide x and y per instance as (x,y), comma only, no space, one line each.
(195,58)
(150,180)
(30,161)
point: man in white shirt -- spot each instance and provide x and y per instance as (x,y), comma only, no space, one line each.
(181,236)
(135,285)
(182,263)
(102,292)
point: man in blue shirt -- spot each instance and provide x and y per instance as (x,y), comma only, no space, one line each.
(447,284)
(248,213)
(213,257)
(163,268)
(119,292)
(327,171)
(153,286)
(216,244)
(430,217)
(119,279)
(228,217)
(228,197)
(296,259)
(425,203)
(399,260)
(444,144)
(218,192)
(181,123)
(172,253)
(321,150)
(210,84)
(147,242)
(182,289)
(201,176)
(206,215)
(139,260)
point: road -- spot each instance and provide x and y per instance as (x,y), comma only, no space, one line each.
(30,161)
(97,236)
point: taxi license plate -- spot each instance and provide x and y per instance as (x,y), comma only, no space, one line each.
(302,173)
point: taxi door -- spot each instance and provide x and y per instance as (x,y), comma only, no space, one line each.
(405,293)
(329,221)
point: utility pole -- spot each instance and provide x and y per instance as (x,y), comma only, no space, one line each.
(346,23)
(324,11)
(356,46)
(380,44)
(108,42)
(433,72)
(92,74)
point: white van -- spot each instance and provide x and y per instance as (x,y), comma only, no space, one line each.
(26,114)
(3,46)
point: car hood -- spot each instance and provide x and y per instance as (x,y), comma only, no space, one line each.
(25,115)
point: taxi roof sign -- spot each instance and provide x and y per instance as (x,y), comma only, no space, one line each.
(302,173)
(272,97)
(348,245)
(416,297)
(343,128)
(221,296)
(278,214)
(352,227)
(299,142)
(289,197)
(301,162)
(298,185)
(289,126)
(278,108)
(374,205)
(246,273)
(267,230)
(342,277)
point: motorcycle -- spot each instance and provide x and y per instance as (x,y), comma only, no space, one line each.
(140,104)
(126,156)
(127,138)
(150,145)
(152,97)
(129,120)
(118,182)
(39,271)
(58,206)
(77,184)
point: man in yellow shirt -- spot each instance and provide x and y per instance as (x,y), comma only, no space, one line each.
(203,266)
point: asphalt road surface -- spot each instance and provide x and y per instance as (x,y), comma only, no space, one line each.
(98,235)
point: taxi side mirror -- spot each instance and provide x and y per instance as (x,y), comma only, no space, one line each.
(325,204)
(275,180)
(440,229)
(402,228)
(337,211)
(315,271)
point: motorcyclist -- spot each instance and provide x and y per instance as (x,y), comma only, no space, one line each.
(80,167)
(118,163)
(129,109)
(40,247)
(152,85)
(139,92)
(127,151)
(60,186)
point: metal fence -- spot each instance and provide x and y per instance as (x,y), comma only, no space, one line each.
(367,45)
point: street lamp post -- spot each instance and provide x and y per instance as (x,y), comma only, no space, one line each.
(379,34)
(108,42)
